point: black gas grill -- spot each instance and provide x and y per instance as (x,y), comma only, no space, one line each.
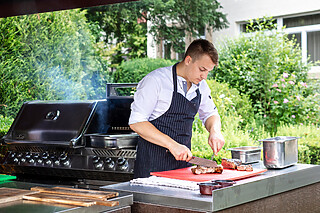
(72,139)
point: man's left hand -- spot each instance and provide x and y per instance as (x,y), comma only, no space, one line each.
(216,141)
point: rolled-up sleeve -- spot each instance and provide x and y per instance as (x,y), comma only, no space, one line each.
(207,107)
(145,99)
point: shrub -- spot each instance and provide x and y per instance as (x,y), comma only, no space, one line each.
(235,110)
(234,137)
(47,56)
(252,63)
(134,70)
(5,123)
(308,144)
(291,101)
(230,102)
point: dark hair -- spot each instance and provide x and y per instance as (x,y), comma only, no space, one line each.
(199,47)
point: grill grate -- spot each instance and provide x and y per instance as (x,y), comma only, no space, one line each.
(115,153)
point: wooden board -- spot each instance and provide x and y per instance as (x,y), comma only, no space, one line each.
(101,195)
(11,194)
(68,199)
(227,174)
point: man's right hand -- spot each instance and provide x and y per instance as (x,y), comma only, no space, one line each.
(180,152)
(150,133)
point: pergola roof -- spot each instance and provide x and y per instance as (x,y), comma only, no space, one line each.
(23,7)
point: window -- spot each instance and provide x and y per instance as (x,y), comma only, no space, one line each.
(254,27)
(306,31)
(313,45)
(301,21)
(296,37)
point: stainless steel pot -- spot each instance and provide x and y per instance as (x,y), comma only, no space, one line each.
(280,152)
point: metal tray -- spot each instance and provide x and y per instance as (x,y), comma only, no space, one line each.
(116,141)
(247,154)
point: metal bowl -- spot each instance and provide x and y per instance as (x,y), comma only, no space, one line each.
(207,187)
(224,183)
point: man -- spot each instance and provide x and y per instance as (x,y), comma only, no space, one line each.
(165,103)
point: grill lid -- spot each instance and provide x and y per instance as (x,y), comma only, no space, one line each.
(51,122)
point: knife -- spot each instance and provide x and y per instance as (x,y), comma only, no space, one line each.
(203,162)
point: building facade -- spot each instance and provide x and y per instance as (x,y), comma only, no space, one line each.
(300,18)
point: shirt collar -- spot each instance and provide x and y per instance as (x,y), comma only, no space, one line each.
(180,79)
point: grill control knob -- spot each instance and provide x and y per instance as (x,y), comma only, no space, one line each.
(40,161)
(23,160)
(122,163)
(48,162)
(63,157)
(99,165)
(15,160)
(45,155)
(109,163)
(19,155)
(95,159)
(97,162)
(57,162)
(31,160)
(66,162)
(13,155)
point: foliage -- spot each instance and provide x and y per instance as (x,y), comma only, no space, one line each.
(5,123)
(292,102)
(308,144)
(134,70)
(229,102)
(120,29)
(252,63)
(171,19)
(234,137)
(125,24)
(47,56)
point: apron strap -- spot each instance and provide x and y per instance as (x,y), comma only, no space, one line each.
(174,74)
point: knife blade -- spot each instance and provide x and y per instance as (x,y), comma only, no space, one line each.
(203,162)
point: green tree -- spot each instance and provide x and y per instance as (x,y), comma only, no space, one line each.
(170,19)
(119,29)
(48,56)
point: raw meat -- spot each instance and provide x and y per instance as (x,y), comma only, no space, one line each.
(230,163)
(206,170)
(245,168)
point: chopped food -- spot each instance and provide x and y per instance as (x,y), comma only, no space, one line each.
(230,163)
(206,170)
(245,168)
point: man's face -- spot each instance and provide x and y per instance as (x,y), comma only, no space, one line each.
(197,70)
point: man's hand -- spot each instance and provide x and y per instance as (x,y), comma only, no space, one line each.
(150,133)
(180,152)
(216,141)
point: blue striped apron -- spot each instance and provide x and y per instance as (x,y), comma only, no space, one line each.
(176,122)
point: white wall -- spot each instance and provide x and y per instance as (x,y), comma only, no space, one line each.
(242,10)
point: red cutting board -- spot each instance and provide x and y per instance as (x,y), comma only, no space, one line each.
(227,174)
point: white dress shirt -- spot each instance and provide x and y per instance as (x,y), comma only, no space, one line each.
(154,94)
